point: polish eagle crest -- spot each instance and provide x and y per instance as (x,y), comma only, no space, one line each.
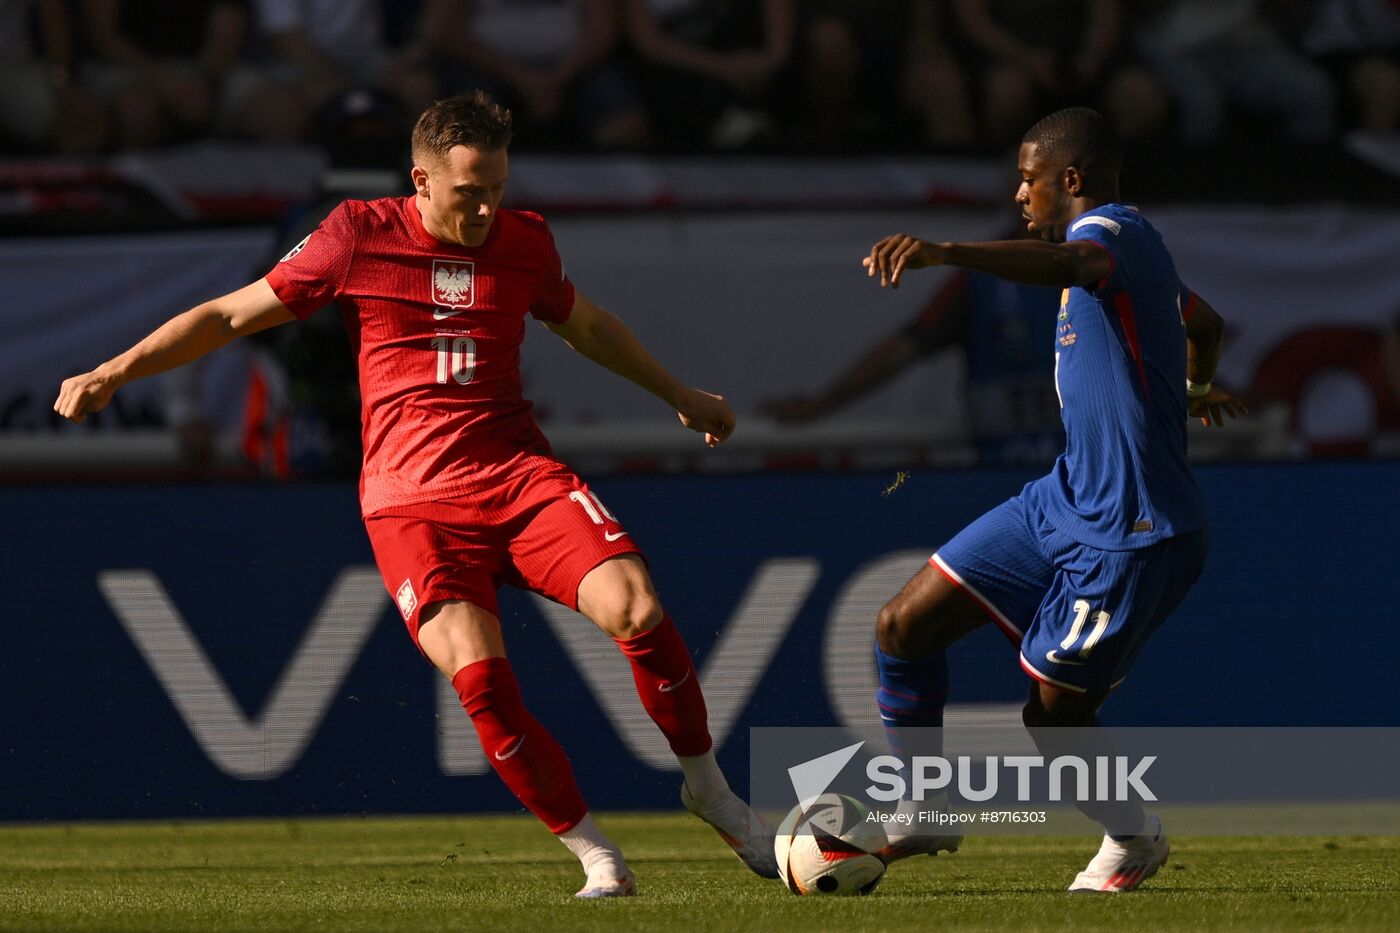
(452,283)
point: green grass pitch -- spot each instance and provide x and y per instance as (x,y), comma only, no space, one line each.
(505,873)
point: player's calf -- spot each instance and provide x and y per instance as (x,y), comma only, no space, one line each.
(669,687)
(520,749)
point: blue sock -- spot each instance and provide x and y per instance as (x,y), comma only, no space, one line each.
(912,695)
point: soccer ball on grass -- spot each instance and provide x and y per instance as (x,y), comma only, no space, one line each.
(829,848)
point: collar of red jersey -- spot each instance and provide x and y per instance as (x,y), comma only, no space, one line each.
(415,220)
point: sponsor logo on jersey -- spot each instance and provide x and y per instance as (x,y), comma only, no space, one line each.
(454,285)
(613,535)
(296,249)
(407,599)
(1053,658)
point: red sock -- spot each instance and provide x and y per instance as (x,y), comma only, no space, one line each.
(669,687)
(522,751)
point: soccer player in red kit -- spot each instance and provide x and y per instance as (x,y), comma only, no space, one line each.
(460,491)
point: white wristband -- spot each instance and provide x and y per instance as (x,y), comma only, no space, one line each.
(1197,391)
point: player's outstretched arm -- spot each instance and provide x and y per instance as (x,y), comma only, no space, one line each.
(1205,336)
(607,341)
(1033,262)
(185,337)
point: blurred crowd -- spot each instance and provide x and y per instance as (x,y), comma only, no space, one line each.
(792,76)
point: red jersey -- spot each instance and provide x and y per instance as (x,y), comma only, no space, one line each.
(436,329)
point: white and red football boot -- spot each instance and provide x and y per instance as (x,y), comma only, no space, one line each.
(747,833)
(1122,866)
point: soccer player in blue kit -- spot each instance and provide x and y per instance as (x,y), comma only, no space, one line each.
(1083,566)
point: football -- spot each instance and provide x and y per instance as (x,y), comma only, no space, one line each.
(829,848)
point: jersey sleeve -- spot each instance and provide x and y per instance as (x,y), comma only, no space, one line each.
(314,272)
(555,299)
(1108,235)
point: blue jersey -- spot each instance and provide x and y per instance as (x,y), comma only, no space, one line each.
(1123,481)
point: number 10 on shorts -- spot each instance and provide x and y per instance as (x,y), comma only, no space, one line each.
(593,506)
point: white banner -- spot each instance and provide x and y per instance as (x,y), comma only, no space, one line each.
(747,305)
(755,305)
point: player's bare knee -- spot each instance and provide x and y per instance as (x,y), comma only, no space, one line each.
(892,629)
(626,612)
(453,634)
(641,614)
(619,598)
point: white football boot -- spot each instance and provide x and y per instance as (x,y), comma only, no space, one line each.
(1122,866)
(606,880)
(900,847)
(904,843)
(748,834)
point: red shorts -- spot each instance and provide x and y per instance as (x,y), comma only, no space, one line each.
(541,530)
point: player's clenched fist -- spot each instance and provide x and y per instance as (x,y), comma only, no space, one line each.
(708,414)
(80,396)
(892,255)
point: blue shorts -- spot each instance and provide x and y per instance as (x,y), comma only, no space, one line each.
(1080,615)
